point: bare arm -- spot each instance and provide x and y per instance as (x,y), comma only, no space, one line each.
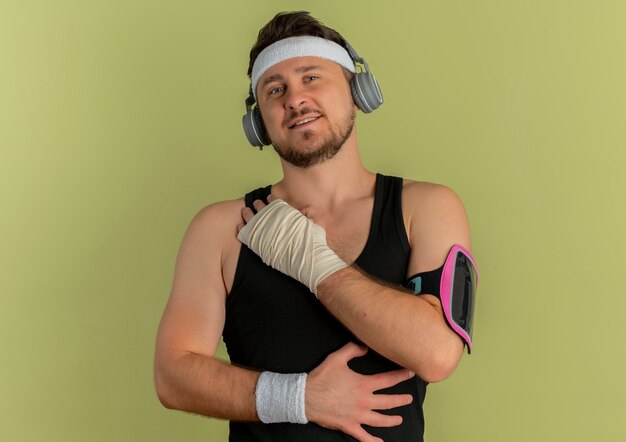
(187,375)
(407,329)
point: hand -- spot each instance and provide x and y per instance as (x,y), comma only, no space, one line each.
(247,213)
(340,399)
(289,242)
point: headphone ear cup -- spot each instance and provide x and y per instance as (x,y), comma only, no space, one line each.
(260,127)
(254,128)
(366,92)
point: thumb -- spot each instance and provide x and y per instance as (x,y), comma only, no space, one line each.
(350,351)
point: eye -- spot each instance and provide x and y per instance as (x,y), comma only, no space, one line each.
(276,90)
(311,77)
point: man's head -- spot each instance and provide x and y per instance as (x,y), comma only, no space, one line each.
(300,71)
(293,71)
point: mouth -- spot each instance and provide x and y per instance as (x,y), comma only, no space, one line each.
(304,122)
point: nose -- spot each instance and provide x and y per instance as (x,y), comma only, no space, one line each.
(295,97)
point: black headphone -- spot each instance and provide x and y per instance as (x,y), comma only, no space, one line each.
(365,93)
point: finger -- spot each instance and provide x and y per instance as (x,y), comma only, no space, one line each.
(258,204)
(247,214)
(375,419)
(389,401)
(239,227)
(389,378)
(361,435)
(349,351)
(270,198)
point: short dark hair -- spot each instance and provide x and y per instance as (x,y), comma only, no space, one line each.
(291,24)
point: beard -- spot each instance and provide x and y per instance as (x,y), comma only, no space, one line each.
(326,149)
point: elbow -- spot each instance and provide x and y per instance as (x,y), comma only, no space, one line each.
(161,392)
(165,399)
(162,389)
(442,364)
(437,372)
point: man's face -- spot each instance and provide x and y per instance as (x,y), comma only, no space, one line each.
(307,109)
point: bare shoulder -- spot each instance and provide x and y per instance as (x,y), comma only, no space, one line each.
(217,217)
(213,231)
(421,196)
(435,220)
(211,240)
(215,224)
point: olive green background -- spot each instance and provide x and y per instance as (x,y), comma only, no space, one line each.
(119,120)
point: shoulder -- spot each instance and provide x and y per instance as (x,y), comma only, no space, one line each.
(210,248)
(222,212)
(420,197)
(215,223)
(435,220)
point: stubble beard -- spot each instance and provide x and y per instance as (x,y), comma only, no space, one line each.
(327,149)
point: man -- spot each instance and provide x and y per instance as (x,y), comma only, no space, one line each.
(354,335)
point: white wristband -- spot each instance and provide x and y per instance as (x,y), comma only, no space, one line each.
(280,398)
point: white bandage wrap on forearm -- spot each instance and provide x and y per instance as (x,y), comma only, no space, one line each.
(291,243)
(280,398)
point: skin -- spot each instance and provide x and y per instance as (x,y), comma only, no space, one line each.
(337,192)
(309,148)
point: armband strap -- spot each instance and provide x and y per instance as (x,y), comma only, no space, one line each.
(280,398)
(426,282)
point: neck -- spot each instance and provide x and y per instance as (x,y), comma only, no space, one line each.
(328,184)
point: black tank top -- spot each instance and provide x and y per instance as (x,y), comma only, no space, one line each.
(275,323)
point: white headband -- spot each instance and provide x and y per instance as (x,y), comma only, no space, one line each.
(304,46)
